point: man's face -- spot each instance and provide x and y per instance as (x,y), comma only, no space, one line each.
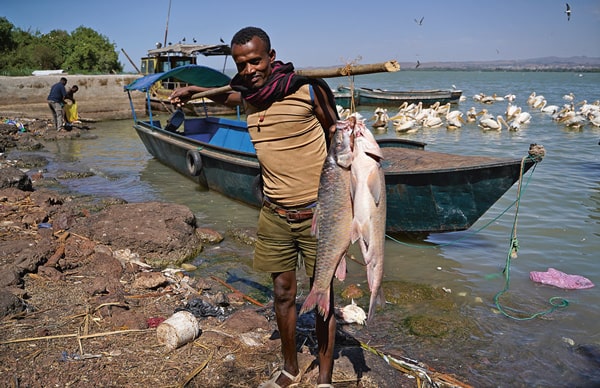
(253,62)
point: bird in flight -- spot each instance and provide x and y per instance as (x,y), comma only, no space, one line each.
(418,64)
(420,22)
(568,12)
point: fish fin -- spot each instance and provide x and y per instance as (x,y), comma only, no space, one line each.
(340,271)
(374,185)
(318,299)
(355,232)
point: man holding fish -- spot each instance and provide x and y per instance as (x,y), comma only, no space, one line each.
(290,120)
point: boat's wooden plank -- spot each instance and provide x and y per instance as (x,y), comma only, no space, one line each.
(416,160)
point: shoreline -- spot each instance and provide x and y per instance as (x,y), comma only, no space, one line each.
(100,97)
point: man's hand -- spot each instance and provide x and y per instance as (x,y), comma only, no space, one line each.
(181,95)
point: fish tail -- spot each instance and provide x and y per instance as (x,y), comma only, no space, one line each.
(318,299)
(376,300)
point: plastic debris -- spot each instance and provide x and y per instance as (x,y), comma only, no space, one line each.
(554,277)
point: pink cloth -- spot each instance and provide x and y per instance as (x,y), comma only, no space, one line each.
(560,279)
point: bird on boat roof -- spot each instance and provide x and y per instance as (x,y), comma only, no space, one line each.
(568,11)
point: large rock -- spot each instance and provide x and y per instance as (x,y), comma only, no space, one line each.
(160,233)
(13,177)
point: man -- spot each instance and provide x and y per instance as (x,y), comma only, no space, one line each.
(56,98)
(70,106)
(287,116)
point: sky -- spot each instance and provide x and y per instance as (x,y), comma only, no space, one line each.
(326,33)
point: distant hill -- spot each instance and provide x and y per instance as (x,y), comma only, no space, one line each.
(581,63)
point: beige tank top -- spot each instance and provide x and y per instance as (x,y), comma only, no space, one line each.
(290,146)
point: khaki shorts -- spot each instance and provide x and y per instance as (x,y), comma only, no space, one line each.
(281,244)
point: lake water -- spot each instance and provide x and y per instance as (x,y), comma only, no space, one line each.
(558,226)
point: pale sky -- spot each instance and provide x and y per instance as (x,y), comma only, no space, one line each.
(333,33)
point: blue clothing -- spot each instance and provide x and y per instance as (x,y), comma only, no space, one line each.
(58,92)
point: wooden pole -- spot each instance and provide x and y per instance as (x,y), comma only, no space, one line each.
(326,72)
(130,61)
(330,72)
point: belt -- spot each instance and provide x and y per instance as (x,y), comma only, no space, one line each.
(291,215)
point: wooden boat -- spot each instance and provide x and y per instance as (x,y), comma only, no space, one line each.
(379,97)
(426,191)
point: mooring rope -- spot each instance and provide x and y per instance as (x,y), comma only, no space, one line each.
(536,153)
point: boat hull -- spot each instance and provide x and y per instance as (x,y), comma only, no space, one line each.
(377,97)
(426,191)
(233,174)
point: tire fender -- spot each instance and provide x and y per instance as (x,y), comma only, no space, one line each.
(194,162)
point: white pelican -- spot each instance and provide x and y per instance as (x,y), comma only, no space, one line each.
(381,118)
(478,96)
(454,119)
(511,111)
(538,101)
(594,119)
(569,97)
(552,109)
(484,114)
(510,97)
(405,124)
(471,115)
(491,124)
(432,121)
(523,118)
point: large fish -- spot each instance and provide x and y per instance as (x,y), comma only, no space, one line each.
(332,221)
(369,205)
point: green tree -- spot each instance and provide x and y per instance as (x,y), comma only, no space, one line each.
(90,51)
(84,50)
(6,40)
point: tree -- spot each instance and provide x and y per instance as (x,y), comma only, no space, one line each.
(84,50)
(90,51)
(6,40)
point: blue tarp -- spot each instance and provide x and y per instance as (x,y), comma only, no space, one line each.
(192,74)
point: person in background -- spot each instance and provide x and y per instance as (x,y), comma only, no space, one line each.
(56,99)
(289,119)
(70,106)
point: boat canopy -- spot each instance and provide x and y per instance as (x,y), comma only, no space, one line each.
(191,74)
(192,49)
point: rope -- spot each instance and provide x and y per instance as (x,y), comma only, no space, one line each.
(536,153)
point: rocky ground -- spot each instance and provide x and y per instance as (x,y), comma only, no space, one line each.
(84,285)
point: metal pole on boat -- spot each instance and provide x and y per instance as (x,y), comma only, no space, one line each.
(167,28)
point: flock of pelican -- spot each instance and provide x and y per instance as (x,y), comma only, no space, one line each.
(410,118)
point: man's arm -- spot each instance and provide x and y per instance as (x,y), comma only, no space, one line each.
(326,114)
(182,95)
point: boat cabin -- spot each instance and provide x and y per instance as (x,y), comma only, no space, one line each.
(162,59)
